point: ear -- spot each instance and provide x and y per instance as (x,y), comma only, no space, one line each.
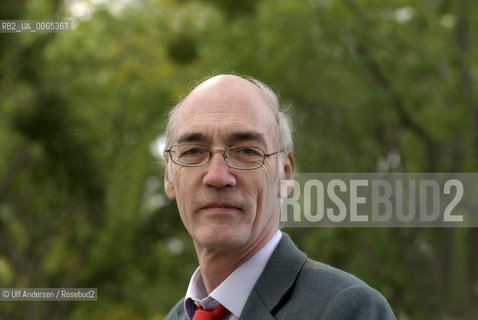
(289,167)
(168,182)
(285,187)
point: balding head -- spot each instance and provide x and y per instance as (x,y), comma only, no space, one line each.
(232,90)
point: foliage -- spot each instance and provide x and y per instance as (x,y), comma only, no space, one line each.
(81,197)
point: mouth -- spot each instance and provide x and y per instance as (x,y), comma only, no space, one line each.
(220,208)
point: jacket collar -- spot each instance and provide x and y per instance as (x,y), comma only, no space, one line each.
(277,278)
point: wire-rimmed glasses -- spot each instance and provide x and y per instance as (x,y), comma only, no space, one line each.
(239,157)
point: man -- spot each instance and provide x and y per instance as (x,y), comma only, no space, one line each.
(228,146)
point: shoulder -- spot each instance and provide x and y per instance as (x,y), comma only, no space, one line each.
(177,312)
(297,287)
(322,276)
(339,294)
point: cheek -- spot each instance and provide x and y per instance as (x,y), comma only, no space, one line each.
(268,199)
(186,184)
(173,183)
(260,193)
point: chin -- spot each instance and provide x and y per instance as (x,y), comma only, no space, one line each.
(221,237)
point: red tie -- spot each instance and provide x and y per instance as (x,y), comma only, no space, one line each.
(216,314)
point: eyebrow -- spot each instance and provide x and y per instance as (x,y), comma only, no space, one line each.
(193,137)
(230,139)
(247,136)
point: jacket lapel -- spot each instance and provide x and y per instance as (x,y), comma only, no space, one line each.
(275,281)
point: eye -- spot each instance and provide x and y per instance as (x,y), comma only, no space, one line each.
(189,151)
(248,151)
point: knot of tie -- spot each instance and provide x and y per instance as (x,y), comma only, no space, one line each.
(217,314)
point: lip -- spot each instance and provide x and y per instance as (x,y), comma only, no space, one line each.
(220,208)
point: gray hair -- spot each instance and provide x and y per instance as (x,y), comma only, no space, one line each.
(283,123)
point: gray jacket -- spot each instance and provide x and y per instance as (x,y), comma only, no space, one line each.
(295,287)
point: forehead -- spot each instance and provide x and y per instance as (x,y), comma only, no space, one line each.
(225,105)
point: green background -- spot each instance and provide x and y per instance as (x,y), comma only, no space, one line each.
(373,86)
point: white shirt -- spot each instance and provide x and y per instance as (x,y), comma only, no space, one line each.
(233,292)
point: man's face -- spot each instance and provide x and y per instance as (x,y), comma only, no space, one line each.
(222,207)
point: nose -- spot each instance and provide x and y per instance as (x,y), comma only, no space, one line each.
(218,173)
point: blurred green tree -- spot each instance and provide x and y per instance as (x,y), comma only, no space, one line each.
(81,196)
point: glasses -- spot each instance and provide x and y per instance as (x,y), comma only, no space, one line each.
(195,155)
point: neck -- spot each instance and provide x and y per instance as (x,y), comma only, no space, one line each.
(217,264)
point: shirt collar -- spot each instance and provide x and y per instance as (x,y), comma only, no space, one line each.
(233,292)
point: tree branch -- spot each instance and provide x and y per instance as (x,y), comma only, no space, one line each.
(18,161)
(466,82)
(465,85)
(381,80)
